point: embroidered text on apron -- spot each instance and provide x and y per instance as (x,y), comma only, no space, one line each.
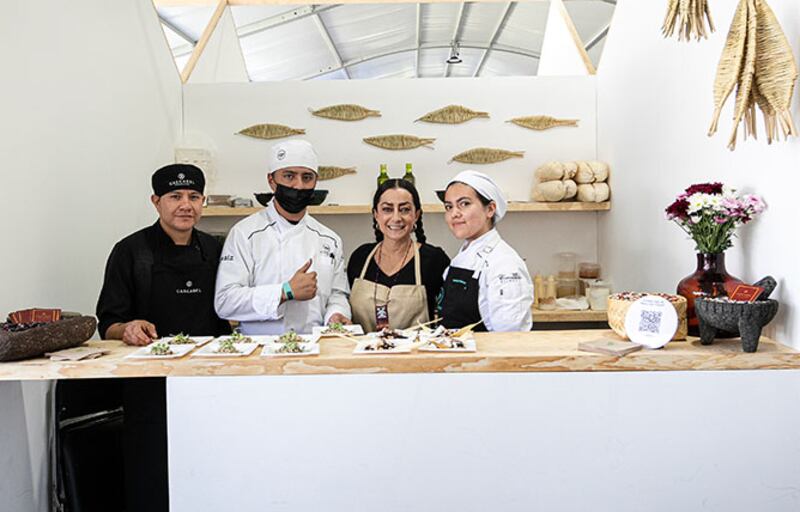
(182,298)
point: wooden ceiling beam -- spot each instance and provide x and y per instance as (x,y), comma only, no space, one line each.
(203,41)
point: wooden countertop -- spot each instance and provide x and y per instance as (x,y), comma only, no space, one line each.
(538,351)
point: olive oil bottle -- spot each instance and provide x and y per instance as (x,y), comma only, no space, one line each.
(383,176)
(409,176)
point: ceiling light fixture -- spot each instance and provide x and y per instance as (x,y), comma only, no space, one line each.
(454,57)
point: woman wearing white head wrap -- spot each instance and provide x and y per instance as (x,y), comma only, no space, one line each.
(487,280)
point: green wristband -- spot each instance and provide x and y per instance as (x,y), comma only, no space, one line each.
(287,290)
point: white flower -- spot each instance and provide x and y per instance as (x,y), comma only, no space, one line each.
(729,192)
(697,202)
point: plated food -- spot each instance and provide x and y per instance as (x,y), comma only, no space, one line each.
(448,340)
(447,344)
(382,346)
(238,337)
(292,337)
(225,347)
(161,350)
(337,328)
(181,339)
(388,334)
(185,339)
(290,349)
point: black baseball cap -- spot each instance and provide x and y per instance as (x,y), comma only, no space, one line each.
(176,177)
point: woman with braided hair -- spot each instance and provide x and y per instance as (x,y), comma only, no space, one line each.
(395,280)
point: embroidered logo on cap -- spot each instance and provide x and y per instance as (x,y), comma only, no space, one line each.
(188,284)
(181,176)
(281,154)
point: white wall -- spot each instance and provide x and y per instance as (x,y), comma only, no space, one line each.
(215,112)
(222,59)
(560,441)
(91,107)
(90,103)
(654,108)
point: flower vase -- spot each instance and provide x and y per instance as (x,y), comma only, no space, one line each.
(710,279)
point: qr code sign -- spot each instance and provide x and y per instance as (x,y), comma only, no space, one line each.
(650,321)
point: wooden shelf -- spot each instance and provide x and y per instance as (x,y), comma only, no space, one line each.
(353,209)
(563,315)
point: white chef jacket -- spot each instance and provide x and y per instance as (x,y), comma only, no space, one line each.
(505,293)
(262,252)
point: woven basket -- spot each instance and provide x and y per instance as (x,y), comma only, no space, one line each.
(618,308)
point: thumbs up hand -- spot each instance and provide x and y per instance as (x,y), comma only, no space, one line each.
(304,283)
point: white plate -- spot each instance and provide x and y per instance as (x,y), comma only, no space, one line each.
(258,340)
(199,341)
(271,350)
(209,350)
(177,351)
(469,346)
(307,338)
(404,348)
(353,330)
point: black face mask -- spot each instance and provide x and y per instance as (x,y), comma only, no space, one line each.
(293,200)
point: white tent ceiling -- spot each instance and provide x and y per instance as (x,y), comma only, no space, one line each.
(402,40)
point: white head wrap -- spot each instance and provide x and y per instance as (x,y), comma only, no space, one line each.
(485,186)
(292,153)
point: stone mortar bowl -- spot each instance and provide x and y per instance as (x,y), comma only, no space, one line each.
(746,319)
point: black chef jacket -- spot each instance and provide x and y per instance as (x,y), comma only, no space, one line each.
(144,280)
(127,288)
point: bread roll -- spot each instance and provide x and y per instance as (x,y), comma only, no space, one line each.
(549,191)
(600,170)
(570,189)
(550,171)
(593,192)
(570,170)
(585,173)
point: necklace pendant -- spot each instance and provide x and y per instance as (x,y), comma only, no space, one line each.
(381,316)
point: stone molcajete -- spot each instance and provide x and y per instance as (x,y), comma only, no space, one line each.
(746,319)
(68,332)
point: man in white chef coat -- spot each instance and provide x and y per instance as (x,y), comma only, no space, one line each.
(280,268)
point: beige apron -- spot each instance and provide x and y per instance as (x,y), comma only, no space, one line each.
(407,303)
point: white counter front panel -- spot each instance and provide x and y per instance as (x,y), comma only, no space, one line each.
(651,441)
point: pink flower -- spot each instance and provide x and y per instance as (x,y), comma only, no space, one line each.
(755,203)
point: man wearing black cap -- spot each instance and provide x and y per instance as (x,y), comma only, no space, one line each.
(158,282)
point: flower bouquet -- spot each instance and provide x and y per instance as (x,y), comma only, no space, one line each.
(710,213)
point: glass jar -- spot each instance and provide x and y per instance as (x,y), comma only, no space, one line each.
(588,270)
(567,287)
(566,265)
(598,295)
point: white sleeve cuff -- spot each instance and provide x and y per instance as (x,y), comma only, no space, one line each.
(267,301)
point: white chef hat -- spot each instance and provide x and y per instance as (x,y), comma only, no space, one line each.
(292,153)
(485,186)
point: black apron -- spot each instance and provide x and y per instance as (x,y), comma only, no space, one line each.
(182,297)
(460,299)
(181,300)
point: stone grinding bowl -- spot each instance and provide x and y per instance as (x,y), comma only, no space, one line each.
(745,319)
(66,333)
